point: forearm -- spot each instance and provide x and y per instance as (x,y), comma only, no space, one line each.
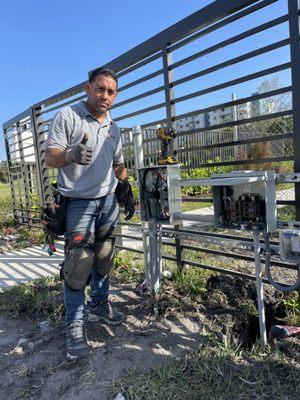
(55,158)
(120,171)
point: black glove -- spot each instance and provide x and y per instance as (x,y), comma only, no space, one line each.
(81,154)
(125,198)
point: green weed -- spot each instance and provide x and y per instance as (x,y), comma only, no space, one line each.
(215,372)
(292,307)
(41,298)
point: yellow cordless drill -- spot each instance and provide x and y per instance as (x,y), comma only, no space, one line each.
(166,135)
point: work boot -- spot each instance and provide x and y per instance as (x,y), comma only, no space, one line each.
(77,346)
(104,312)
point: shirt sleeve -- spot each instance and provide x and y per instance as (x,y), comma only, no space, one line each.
(118,155)
(58,132)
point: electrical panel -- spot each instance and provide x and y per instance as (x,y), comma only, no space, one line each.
(159,199)
(245,200)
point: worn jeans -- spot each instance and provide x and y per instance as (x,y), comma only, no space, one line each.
(86,216)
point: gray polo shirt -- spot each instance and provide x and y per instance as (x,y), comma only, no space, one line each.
(98,178)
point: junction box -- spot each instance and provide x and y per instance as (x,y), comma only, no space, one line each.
(159,199)
(245,200)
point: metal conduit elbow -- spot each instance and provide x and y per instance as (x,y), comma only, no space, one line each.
(277,285)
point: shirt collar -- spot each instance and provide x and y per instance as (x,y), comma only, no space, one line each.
(85,113)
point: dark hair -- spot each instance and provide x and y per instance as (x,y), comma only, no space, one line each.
(102,71)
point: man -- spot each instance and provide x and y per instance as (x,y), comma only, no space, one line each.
(85,144)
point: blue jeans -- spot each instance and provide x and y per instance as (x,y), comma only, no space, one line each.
(86,216)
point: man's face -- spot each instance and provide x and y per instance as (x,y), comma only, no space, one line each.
(101,94)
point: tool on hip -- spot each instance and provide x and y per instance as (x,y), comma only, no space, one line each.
(166,135)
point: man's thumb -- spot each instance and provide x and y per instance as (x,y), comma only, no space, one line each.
(85,138)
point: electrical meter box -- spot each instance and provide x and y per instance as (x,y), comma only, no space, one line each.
(159,199)
(245,200)
(289,245)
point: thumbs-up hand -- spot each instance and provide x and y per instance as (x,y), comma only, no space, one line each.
(80,154)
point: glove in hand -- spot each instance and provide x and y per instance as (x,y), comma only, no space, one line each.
(125,198)
(80,154)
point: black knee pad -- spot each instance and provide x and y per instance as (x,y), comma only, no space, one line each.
(79,260)
(104,249)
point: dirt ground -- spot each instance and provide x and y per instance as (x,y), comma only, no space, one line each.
(41,372)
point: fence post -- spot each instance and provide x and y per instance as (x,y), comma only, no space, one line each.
(293,7)
(170,114)
(36,121)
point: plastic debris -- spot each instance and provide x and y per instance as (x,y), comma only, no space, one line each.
(141,288)
(120,397)
(281,331)
(168,274)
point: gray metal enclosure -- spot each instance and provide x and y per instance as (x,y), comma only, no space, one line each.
(226,78)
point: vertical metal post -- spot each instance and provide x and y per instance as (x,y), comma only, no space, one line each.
(293,7)
(235,129)
(28,218)
(259,289)
(139,163)
(170,113)
(10,173)
(40,163)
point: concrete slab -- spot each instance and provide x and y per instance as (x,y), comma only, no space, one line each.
(24,265)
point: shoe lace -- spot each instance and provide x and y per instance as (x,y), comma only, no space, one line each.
(76,330)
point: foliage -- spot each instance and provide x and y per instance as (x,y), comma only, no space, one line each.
(200,173)
(38,299)
(292,307)
(215,371)
(3,172)
(286,213)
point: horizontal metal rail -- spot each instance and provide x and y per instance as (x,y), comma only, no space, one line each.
(237,142)
(233,61)
(242,100)
(221,270)
(230,41)
(239,162)
(233,82)
(142,111)
(237,256)
(222,23)
(140,64)
(141,80)
(59,106)
(139,97)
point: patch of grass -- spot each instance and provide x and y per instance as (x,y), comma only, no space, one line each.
(216,373)
(189,206)
(284,186)
(4,190)
(128,267)
(6,214)
(29,237)
(286,213)
(292,307)
(39,299)
(192,281)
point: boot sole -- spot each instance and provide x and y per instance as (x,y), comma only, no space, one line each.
(71,357)
(96,318)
